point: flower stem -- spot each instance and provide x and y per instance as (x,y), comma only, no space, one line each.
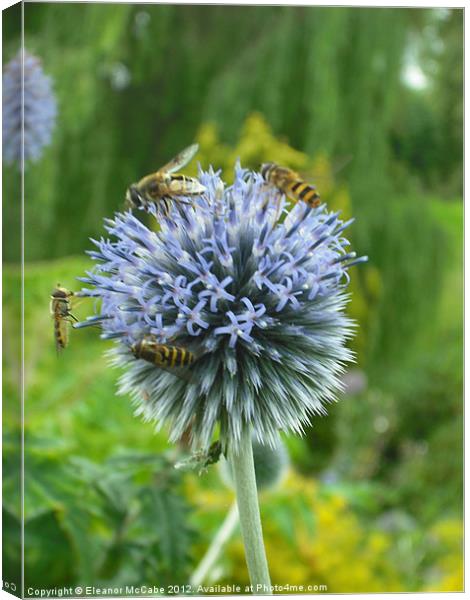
(216,547)
(243,470)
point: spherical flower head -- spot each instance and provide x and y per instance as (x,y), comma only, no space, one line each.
(40,108)
(258,301)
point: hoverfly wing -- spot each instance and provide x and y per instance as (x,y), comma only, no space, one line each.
(180,160)
(180,372)
(341,162)
(336,166)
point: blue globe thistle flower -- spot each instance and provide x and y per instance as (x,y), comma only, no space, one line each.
(259,302)
(40,108)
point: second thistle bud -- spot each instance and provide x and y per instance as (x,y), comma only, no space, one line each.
(270,465)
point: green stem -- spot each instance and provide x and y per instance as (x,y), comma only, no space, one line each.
(243,470)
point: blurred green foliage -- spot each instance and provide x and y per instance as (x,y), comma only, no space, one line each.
(129,506)
(373,500)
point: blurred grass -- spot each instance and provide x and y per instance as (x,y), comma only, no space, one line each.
(450,215)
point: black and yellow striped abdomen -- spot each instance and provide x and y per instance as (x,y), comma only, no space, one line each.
(290,183)
(305,192)
(60,333)
(162,355)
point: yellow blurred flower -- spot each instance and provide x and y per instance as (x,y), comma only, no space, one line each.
(314,538)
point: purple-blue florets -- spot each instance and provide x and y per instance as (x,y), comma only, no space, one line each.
(259,302)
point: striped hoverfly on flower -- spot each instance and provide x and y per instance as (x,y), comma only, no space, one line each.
(290,183)
(173,359)
(294,185)
(61,315)
(165,186)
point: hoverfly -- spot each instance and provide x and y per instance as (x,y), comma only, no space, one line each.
(167,357)
(60,312)
(163,187)
(290,183)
